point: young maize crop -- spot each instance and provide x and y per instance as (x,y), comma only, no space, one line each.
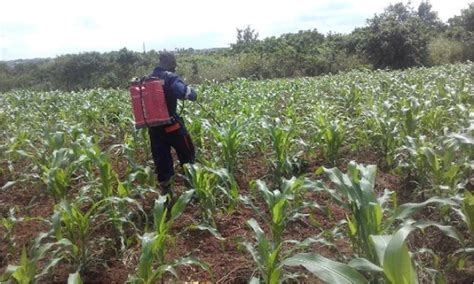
(274,173)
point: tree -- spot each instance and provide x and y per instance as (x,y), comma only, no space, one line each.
(430,19)
(461,28)
(127,64)
(80,71)
(396,38)
(465,20)
(246,40)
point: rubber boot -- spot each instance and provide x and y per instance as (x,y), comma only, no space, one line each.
(166,189)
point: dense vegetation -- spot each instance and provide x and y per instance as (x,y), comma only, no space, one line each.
(400,37)
(364,176)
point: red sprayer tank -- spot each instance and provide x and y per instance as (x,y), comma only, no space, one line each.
(149,103)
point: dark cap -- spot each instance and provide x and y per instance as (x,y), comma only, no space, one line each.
(167,61)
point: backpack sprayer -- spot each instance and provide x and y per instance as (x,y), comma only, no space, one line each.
(149,103)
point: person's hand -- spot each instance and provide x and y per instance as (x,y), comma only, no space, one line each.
(134,81)
(190,94)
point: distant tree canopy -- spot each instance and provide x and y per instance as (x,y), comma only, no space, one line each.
(400,37)
(246,38)
(397,38)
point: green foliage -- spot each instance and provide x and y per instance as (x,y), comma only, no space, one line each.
(441,170)
(325,269)
(443,51)
(245,39)
(72,228)
(461,29)
(395,38)
(371,219)
(400,37)
(229,140)
(468,211)
(333,133)
(356,192)
(465,20)
(8,224)
(383,132)
(430,19)
(386,254)
(28,270)
(278,203)
(418,121)
(284,205)
(74,278)
(265,254)
(393,254)
(283,161)
(152,265)
(214,188)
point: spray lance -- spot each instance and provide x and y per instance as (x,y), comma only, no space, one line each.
(213,118)
(204,109)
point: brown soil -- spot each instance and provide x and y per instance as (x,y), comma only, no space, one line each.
(228,259)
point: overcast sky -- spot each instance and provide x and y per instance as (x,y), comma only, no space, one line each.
(48,28)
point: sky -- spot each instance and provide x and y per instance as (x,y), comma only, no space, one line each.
(49,28)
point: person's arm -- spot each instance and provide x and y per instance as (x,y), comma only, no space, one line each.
(181,90)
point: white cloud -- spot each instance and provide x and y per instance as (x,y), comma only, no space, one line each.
(51,27)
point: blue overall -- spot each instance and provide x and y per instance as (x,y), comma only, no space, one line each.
(174,135)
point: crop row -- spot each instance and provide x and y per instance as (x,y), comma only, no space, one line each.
(82,150)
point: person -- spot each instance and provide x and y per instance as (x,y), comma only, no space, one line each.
(172,135)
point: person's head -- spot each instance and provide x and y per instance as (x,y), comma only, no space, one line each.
(167,61)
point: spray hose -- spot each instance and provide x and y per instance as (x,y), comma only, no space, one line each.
(210,115)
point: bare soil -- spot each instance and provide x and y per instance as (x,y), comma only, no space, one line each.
(228,259)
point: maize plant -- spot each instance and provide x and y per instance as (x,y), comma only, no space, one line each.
(73,228)
(355,192)
(33,264)
(264,252)
(394,261)
(204,183)
(468,212)
(62,164)
(121,213)
(283,162)
(351,100)
(58,172)
(9,223)
(332,134)
(367,227)
(153,265)
(441,171)
(130,149)
(325,269)
(417,123)
(112,191)
(434,119)
(383,129)
(228,187)
(213,189)
(107,176)
(74,278)
(143,178)
(15,150)
(198,130)
(229,140)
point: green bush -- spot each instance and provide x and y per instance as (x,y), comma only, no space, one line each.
(443,51)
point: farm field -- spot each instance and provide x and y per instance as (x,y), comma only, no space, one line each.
(359,177)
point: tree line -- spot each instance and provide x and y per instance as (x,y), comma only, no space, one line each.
(400,37)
